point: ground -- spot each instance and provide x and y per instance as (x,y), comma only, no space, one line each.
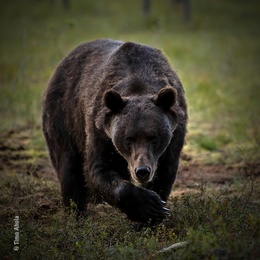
(17,156)
(215,207)
(215,201)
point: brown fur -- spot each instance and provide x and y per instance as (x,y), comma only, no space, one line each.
(115,112)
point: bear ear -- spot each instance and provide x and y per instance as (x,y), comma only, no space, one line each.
(166,98)
(113,101)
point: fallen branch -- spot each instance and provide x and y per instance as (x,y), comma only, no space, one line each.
(174,247)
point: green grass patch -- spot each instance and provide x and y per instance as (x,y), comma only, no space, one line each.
(216,56)
(215,224)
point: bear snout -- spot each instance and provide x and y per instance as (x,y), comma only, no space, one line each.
(143,173)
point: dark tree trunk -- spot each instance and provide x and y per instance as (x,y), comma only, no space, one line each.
(146,7)
(66,4)
(186,10)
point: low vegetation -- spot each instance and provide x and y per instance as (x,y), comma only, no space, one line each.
(215,202)
(221,223)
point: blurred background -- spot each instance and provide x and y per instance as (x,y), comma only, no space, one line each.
(213,46)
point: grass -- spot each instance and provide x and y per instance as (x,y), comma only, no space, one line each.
(217,58)
(223,224)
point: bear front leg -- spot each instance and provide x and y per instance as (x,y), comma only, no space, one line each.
(73,186)
(138,203)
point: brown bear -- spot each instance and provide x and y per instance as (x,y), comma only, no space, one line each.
(114,119)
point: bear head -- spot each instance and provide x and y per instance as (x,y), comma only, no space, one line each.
(141,128)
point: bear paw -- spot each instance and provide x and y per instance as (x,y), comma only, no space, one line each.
(142,205)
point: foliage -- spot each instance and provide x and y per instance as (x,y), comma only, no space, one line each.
(222,224)
(216,56)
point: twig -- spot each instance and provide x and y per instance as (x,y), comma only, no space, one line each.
(174,247)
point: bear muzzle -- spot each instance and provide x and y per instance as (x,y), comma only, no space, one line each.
(143,173)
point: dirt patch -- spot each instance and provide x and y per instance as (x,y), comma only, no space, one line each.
(18,155)
(192,176)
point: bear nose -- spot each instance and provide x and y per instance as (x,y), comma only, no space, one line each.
(143,173)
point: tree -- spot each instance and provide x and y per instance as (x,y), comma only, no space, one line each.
(186,8)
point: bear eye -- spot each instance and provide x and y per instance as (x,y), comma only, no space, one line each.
(128,141)
(153,140)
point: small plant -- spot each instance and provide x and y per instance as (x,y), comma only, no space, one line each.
(221,78)
(208,144)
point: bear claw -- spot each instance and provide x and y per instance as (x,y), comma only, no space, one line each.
(166,211)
